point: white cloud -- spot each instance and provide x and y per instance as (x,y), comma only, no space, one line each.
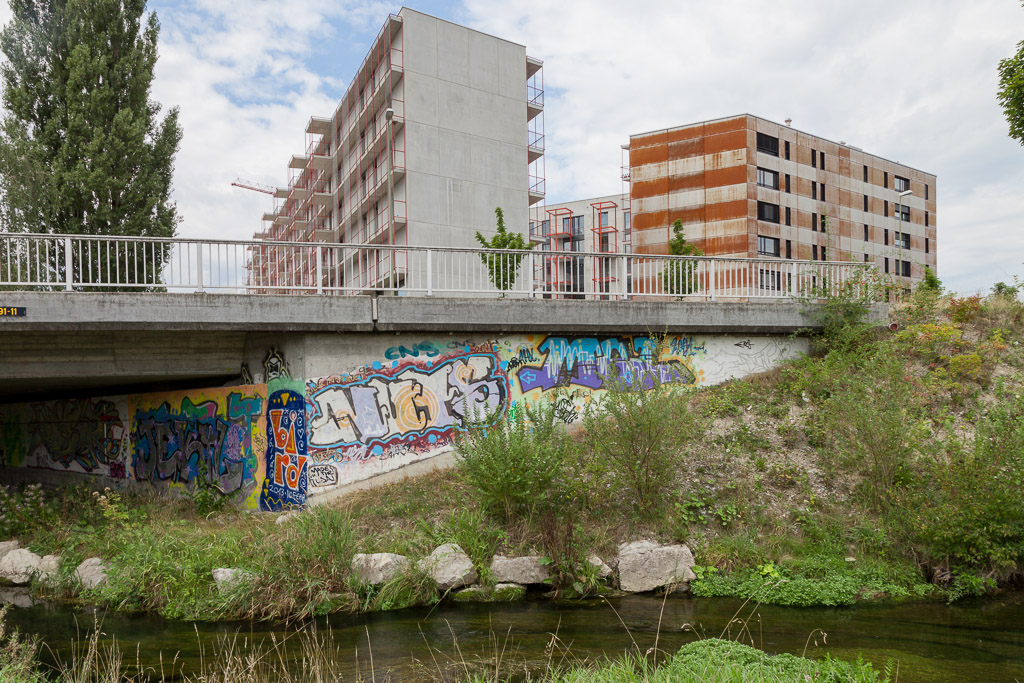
(912,81)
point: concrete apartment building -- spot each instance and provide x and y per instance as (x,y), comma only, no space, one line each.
(744,186)
(466,136)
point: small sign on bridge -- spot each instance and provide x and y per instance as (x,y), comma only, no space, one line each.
(12,311)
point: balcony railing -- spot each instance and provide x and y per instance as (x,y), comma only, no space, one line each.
(89,263)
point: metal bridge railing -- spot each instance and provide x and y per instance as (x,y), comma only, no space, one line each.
(84,263)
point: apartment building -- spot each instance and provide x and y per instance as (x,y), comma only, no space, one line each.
(745,186)
(461,113)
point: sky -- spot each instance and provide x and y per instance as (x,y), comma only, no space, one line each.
(913,81)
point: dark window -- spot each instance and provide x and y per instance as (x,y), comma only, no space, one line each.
(822,161)
(768,144)
(865,173)
(814,158)
(824,256)
(814,252)
(865,202)
(769,279)
(814,222)
(787,180)
(767,246)
(927,245)
(902,239)
(766,178)
(900,184)
(822,193)
(814,190)
(927,219)
(824,222)
(866,233)
(787,154)
(925,190)
(905,267)
(787,217)
(789,248)
(887,264)
(768,212)
(865,258)
(886,180)
(886,208)
(903,212)
(886,242)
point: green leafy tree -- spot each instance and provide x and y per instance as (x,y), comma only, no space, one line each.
(503,269)
(82,147)
(680,277)
(1011,91)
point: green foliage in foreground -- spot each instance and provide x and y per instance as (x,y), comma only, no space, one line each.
(714,661)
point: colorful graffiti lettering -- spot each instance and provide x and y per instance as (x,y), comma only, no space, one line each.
(79,435)
(585,362)
(407,402)
(286,480)
(427,349)
(207,439)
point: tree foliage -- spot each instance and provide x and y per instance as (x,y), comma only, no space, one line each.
(82,148)
(1011,91)
(680,277)
(503,269)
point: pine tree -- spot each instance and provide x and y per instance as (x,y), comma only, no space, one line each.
(82,150)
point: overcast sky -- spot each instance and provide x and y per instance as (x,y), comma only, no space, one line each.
(912,81)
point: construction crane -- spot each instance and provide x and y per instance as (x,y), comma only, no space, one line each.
(254,186)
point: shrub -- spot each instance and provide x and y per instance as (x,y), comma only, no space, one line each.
(964,310)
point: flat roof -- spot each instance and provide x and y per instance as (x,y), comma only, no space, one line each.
(761,118)
(489,35)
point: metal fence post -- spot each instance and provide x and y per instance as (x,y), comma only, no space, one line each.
(319,269)
(623,279)
(530,274)
(68,265)
(430,272)
(199,264)
(712,280)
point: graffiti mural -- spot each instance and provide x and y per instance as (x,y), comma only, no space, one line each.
(413,406)
(323,475)
(286,480)
(79,435)
(201,439)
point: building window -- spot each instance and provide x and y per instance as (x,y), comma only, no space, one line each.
(865,173)
(814,222)
(768,212)
(902,240)
(927,245)
(865,258)
(626,224)
(824,256)
(900,184)
(768,144)
(865,202)
(769,179)
(769,279)
(787,217)
(814,190)
(904,267)
(925,190)
(787,155)
(814,252)
(866,233)
(927,219)
(886,242)
(887,264)
(767,246)
(822,161)
(903,212)
(822,193)
(575,225)
(886,203)
(787,181)
(789,248)
(604,219)
(824,222)
(886,180)
(814,158)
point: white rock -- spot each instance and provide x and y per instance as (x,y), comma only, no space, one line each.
(91,573)
(603,570)
(645,565)
(522,570)
(49,566)
(286,517)
(8,546)
(16,596)
(449,566)
(19,566)
(377,568)
(227,577)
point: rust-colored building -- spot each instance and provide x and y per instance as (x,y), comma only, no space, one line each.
(745,186)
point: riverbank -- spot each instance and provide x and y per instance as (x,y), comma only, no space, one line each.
(887,467)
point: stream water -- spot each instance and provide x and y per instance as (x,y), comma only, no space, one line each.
(976,641)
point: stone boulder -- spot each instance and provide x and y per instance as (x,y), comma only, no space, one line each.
(603,570)
(227,577)
(645,566)
(503,592)
(91,573)
(377,568)
(521,570)
(49,567)
(19,566)
(8,546)
(449,566)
